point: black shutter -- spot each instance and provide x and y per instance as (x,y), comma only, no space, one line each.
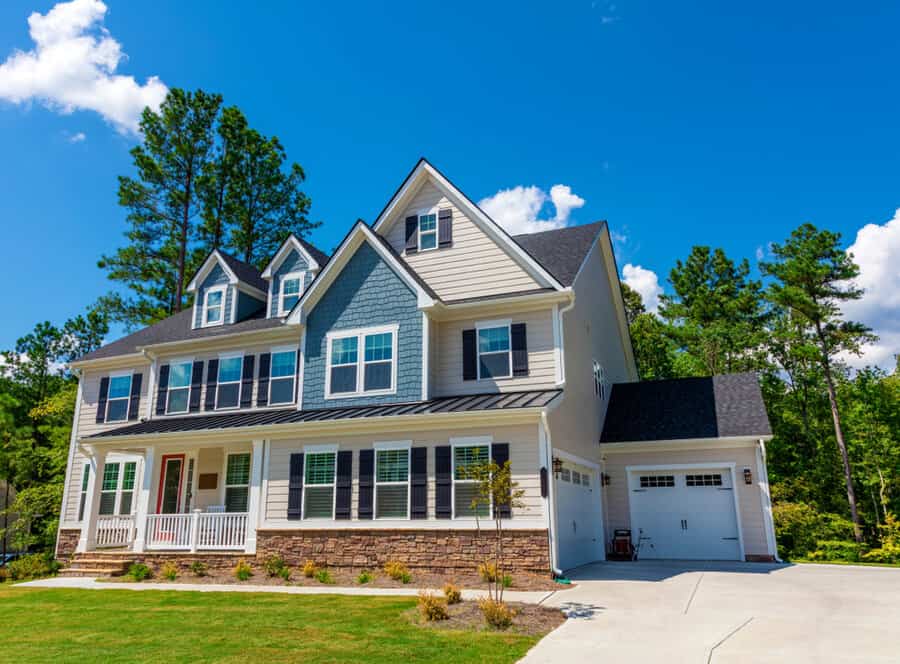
(134,403)
(343,485)
(519,344)
(295,488)
(212,377)
(470,355)
(101,400)
(161,389)
(443,483)
(445,228)
(412,235)
(262,393)
(366,483)
(419,483)
(196,385)
(247,381)
(500,455)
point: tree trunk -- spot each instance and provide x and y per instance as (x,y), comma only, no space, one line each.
(183,239)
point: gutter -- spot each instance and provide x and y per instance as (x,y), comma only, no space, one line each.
(551,491)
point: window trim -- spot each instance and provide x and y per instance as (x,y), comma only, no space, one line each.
(239,381)
(297,274)
(226,485)
(283,349)
(385,447)
(207,292)
(490,324)
(119,490)
(474,441)
(127,398)
(427,213)
(187,402)
(319,449)
(361,334)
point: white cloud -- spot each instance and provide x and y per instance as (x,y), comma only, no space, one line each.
(72,68)
(80,137)
(877,252)
(518,209)
(645,282)
(760,253)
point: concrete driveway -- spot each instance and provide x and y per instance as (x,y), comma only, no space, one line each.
(726,613)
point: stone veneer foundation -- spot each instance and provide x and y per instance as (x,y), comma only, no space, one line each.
(66,542)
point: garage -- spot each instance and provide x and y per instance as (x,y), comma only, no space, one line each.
(579,527)
(684,513)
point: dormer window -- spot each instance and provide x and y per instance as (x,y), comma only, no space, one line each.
(291,290)
(428,233)
(214,307)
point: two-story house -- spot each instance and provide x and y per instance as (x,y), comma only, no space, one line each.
(328,407)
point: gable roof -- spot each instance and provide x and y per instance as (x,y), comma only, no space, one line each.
(315,258)
(729,405)
(237,270)
(561,251)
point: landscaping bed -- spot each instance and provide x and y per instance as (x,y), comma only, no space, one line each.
(529,620)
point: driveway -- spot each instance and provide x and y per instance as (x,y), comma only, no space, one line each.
(726,613)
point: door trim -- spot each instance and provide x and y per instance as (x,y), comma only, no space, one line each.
(162,480)
(727,465)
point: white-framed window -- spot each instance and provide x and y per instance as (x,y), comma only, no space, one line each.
(214,306)
(118,397)
(601,385)
(117,490)
(464,488)
(282,375)
(228,383)
(291,290)
(179,386)
(428,230)
(126,499)
(319,470)
(361,362)
(494,349)
(237,482)
(707,479)
(392,481)
(657,481)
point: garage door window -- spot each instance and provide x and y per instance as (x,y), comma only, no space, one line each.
(714,479)
(657,481)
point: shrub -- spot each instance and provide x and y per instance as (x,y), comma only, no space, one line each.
(242,571)
(496,614)
(4,574)
(310,569)
(799,527)
(397,571)
(829,550)
(405,577)
(285,573)
(452,593)
(506,581)
(433,607)
(139,572)
(323,576)
(888,553)
(169,571)
(32,566)
(198,568)
(364,577)
(274,565)
(488,572)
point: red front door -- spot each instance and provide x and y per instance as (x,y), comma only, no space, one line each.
(168,498)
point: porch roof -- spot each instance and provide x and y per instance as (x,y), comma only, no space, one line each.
(257,418)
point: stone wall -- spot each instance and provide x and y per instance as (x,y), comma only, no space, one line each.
(66,542)
(431,550)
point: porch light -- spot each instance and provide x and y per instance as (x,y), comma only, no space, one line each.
(748,476)
(604,479)
(557,466)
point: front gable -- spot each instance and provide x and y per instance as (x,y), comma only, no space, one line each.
(294,265)
(218,287)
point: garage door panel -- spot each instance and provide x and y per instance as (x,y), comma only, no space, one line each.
(579,515)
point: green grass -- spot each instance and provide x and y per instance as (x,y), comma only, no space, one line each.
(807,561)
(153,626)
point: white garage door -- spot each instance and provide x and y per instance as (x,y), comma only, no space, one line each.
(684,514)
(580,516)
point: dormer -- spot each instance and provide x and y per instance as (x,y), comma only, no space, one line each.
(289,274)
(226,291)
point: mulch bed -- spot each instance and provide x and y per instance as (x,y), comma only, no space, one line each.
(531,619)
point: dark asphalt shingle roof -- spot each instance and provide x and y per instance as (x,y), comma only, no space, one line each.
(683,408)
(245,272)
(562,251)
(459,404)
(320,256)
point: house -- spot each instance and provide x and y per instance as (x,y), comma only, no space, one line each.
(327,408)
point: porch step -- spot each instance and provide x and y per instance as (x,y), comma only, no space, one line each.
(92,571)
(98,565)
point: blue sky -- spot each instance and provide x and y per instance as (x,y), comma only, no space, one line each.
(680,123)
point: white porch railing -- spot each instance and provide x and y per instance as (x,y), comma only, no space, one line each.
(222,531)
(113,531)
(169,531)
(199,530)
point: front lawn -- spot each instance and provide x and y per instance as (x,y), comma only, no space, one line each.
(154,626)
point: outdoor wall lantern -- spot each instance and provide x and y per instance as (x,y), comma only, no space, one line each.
(748,476)
(557,466)
(604,479)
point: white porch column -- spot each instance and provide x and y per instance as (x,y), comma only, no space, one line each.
(88,539)
(143,501)
(253,500)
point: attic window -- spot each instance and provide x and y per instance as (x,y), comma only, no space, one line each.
(291,289)
(214,307)
(428,236)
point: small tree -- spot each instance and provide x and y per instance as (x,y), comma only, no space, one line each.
(495,489)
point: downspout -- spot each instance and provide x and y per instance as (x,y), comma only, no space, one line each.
(551,496)
(561,339)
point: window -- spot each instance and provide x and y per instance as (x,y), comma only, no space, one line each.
(713,479)
(228,387)
(428,231)
(189,486)
(108,489)
(85,477)
(214,307)
(127,495)
(494,351)
(117,491)
(392,483)
(291,290)
(601,386)
(657,481)
(374,373)
(117,398)
(318,485)
(565,475)
(281,380)
(576,477)
(465,488)
(179,386)
(237,482)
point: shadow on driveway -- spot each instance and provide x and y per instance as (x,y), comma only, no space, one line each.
(659,570)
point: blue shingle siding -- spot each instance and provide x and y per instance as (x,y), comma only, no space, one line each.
(294,262)
(216,277)
(366,293)
(247,305)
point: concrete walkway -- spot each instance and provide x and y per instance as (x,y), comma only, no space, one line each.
(729,613)
(531,597)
